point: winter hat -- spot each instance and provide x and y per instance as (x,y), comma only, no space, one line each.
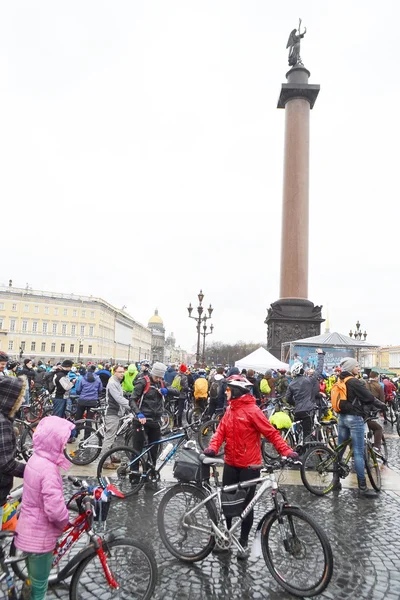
(67,363)
(27,360)
(158,369)
(348,364)
(183,368)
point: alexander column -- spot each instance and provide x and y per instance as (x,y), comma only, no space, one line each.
(294,316)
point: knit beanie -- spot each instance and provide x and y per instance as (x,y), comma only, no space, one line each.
(348,364)
(158,369)
(67,363)
(183,368)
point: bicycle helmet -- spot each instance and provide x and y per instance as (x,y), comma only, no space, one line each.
(4,357)
(238,385)
(297,369)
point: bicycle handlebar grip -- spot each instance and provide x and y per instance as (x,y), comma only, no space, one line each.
(87,504)
(77,482)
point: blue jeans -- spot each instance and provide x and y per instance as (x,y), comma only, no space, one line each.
(352,426)
(59,405)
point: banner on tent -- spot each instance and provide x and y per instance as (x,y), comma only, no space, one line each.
(308,356)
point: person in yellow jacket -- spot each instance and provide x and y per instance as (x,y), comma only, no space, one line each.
(128,382)
(200,393)
(264,386)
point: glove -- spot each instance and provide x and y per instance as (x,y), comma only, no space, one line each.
(164,391)
(140,416)
(293,456)
(209,452)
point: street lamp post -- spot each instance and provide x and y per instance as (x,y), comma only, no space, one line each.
(80,340)
(358,335)
(205,333)
(199,320)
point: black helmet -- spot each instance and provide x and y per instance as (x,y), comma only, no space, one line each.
(4,357)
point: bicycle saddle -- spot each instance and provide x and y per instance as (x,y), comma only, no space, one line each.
(211,460)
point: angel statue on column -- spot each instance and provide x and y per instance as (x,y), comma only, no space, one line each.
(294,45)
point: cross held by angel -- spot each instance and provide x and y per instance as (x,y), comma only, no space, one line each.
(294,45)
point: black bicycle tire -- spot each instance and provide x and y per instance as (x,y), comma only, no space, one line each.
(377,485)
(96,454)
(303,470)
(30,430)
(200,439)
(392,417)
(201,493)
(385,451)
(118,542)
(167,428)
(327,574)
(137,487)
(265,446)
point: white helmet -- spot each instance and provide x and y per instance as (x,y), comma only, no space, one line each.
(297,369)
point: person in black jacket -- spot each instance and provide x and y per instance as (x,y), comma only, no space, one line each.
(148,404)
(29,372)
(12,390)
(353,411)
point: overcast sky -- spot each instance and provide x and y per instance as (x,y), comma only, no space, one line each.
(142,152)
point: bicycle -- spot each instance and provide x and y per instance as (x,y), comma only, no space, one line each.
(137,468)
(109,566)
(296,550)
(208,428)
(86,450)
(320,463)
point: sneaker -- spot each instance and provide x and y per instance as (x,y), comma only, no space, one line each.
(109,465)
(243,555)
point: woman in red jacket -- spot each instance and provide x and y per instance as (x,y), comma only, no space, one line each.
(241,428)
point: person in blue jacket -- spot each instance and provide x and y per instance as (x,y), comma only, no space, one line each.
(88,390)
(170,375)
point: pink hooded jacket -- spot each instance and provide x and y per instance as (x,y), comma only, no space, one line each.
(43,511)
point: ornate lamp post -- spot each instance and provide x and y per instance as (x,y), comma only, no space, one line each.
(205,333)
(199,319)
(358,335)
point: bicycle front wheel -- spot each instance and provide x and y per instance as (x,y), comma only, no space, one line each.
(317,470)
(87,445)
(268,450)
(205,433)
(132,566)
(27,443)
(189,537)
(372,468)
(121,468)
(297,552)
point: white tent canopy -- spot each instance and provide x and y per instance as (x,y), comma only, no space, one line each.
(260,360)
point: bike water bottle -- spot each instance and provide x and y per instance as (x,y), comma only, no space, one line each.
(166,451)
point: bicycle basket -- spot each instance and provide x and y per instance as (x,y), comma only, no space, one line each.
(189,468)
(233,504)
(100,508)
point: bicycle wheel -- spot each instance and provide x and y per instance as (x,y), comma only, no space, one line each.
(128,477)
(384,450)
(372,468)
(297,552)
(269,452)
(132,565)
(166,422)
(87,446)
(317,470)
(188,537)
(391,415)
(26,442)
(34,411)
(205,433)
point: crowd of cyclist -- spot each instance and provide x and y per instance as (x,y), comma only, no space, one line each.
(142,389)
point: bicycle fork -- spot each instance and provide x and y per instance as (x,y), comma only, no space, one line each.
(98,545)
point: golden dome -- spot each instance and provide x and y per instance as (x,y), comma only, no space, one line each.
(156,319)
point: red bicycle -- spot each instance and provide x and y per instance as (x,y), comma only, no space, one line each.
(109,566)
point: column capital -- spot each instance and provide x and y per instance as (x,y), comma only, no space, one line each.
(290,91)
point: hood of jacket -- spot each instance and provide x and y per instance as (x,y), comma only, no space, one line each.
(218,377)
(233,371)
(171,370)
(50,438)
(242,402)
(12,391)
(132,370)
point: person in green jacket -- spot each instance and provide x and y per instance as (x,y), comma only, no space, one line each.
(129,378)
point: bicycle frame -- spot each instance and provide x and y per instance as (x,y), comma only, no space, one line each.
(268,481)
(171,453)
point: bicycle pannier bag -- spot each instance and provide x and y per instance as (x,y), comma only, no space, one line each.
(233,504)
(339,393)
(189,468)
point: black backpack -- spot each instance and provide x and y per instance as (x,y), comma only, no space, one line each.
(48,381)
(214,388)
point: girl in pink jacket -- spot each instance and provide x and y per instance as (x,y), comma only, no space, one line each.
(43,510)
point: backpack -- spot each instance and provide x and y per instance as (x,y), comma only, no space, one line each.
(339,393)
(214,389)
(48,381)
(177,383)
(145,390)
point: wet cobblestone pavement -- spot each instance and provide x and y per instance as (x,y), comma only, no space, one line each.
(363,535)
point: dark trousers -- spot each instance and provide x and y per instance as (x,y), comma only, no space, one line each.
(306,423)
(153,433)
(181,406)
(212,407)
(378,433)
(80,411)
(200,405)
(233,475)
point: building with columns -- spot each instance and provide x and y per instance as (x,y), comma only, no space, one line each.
(156,326)
(53,326)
